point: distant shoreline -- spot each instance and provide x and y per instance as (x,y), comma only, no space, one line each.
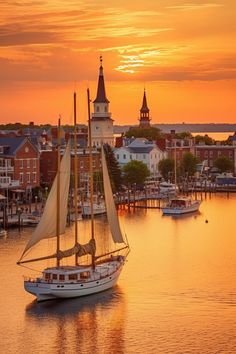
(187,127)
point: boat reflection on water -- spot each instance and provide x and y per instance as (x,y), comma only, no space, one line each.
(193,214)
(86,324)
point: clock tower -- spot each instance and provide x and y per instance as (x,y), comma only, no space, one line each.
(101,121)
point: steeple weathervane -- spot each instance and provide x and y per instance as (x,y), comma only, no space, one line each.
(101,92)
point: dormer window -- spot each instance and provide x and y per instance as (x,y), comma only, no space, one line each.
(97,109)
(105,109)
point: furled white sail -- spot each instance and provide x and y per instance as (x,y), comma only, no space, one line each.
(110,204)
(47,225)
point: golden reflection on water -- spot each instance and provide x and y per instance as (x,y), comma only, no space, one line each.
(176,294)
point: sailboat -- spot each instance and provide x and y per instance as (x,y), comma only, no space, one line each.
(102,270)
(180,205)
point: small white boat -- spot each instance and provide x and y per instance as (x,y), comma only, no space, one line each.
(181,205)
(167,188)
(98,209)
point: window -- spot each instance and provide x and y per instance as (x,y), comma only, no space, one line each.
(84,275)
(81,164)
(34,177)
(72,276)
(21,164)
(97,109)
(211,153)
(61,277)
(34,163)
(47,276)
(54,276)
(28,163)
(130,157)
(124,156)
(117,156)
(94,163)
(21,177)
(105,109)
(1,150)
(28,177)
(206,153)
(144,156)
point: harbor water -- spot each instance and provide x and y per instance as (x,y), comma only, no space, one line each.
(176,294)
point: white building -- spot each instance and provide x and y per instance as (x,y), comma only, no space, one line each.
(101,121)
(141,150)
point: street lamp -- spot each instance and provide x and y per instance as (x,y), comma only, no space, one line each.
(36,205)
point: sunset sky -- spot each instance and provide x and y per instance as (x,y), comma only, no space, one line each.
(182,52)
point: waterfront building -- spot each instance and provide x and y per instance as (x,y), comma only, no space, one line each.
(101,121)
(48,165)
(176,147)
(19,164)
(210,153)
(141,149)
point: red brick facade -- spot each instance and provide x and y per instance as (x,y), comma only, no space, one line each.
(210,153)
(48,165)
(26,165)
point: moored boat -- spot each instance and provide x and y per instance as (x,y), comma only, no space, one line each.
(181,205)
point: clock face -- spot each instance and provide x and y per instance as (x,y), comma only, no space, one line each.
(26,149)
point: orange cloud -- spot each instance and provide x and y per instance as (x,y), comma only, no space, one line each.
(53,41)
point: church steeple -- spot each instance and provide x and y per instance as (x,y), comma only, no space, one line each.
(101,122)
(144,113)
(101,92)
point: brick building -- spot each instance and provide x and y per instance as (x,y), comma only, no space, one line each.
(210,153)
(48,165)
(19,163)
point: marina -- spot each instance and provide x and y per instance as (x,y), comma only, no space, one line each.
(180,279)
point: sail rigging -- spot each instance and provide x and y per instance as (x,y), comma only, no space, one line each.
(110,204)
(47,226)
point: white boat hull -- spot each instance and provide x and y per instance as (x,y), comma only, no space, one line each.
(97,210)
(181,210)
(49,291)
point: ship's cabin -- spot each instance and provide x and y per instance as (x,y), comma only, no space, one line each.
(65,275)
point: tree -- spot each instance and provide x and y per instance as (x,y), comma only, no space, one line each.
(166,167)
(114,168)
(204,139)
(151,133)
(223,164)
(189,164)
(183,135)
(135,172)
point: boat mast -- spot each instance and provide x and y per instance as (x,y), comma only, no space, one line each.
(175,167)
(91,174)
(75,178)
(58,189)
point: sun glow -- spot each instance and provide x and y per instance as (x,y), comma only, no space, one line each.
(53,43)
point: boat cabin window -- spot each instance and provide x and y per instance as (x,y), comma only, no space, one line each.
(84,275)
(54,276)
(47,276)
(61,277)
(72,276)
